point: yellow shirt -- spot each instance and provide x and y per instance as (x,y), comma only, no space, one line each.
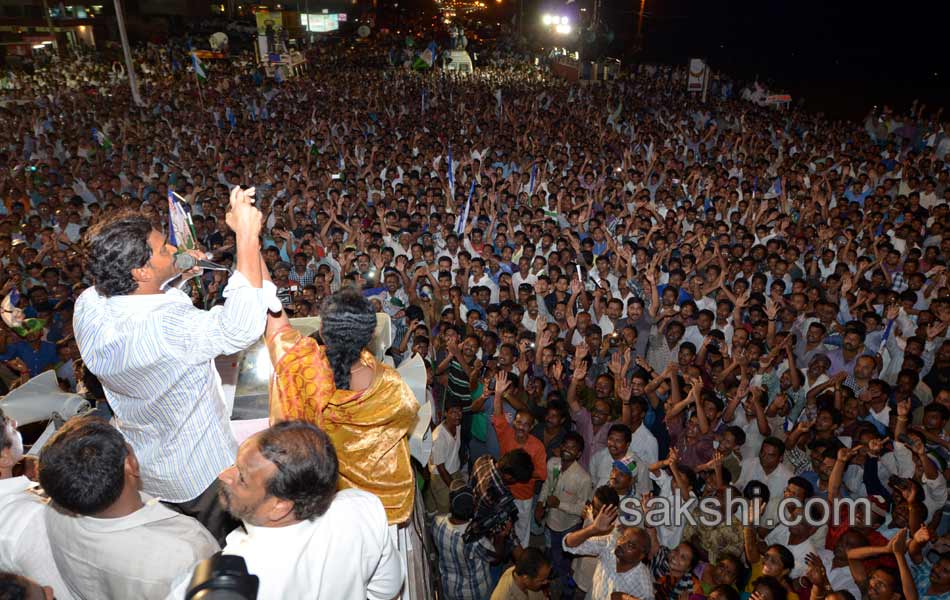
(507,589)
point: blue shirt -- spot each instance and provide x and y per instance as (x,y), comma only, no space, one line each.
(36,360)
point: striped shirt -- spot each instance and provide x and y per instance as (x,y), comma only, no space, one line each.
(458,392)
(464,566)
(155,357)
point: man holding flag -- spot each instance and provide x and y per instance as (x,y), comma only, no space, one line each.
(154,352)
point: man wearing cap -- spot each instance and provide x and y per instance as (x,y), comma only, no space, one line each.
(464,566)
(618,454)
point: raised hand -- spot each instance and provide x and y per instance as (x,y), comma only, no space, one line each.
(816,570)
(501,384)
(624,389)
(580,371)
(616,365)
(243,217)
(604,521)
(922,535)
(898,543)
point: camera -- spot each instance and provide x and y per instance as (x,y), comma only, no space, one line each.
(222,577)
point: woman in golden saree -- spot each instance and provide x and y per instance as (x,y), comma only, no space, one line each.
(362,404)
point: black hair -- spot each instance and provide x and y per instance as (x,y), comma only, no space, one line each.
(756,489)
(530,563)
(776,588)
(575,437)
(82,467)
(113,248)
(775,443)
(737,432)
(726,591)
(786,556)
(804,484)
(517,464)
(607,495)
(14,587)
(307,466)
(348,322)
(622,429)
(940,409)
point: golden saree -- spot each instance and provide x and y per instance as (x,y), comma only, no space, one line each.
(369,429)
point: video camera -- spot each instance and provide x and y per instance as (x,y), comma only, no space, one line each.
(222,577)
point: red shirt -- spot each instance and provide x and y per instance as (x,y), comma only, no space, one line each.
(534,448)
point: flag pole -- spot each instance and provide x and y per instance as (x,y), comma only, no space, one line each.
(200,95)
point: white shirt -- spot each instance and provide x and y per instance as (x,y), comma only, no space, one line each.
(776,481)
(780,535)
(154,355)
(840,578)
(572,488)
(643,444)
(346,554)
(638,582)
(935,493)
(136,556)
(24,545)
(517,279)
(485,281)
(445,450)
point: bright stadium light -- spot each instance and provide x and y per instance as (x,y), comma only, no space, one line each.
(564,21)
(547,19)
(563,29)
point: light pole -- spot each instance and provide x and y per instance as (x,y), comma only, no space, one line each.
(129,65)
(49,25)
(643,4)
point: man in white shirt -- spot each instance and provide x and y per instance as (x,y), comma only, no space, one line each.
(444,460)
(304,539)
(564,495)
(769,469)
(24,545)
(108,539)
(620,564)
(479,277)
(154,352)
(642,442)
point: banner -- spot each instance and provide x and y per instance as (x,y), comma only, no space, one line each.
(778,99)
(698,71)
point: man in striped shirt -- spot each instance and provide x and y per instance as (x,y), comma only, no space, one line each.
(154,353)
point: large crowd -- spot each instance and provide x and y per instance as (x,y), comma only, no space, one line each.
(623,296)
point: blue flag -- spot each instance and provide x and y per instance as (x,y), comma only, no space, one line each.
(534,173)
(460,225)
(451,174)
(232,118)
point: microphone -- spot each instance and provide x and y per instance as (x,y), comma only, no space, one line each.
(184,262)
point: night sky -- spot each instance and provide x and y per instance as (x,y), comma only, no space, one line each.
(843,56)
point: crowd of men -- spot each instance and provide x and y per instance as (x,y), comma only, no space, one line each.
(622,295)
